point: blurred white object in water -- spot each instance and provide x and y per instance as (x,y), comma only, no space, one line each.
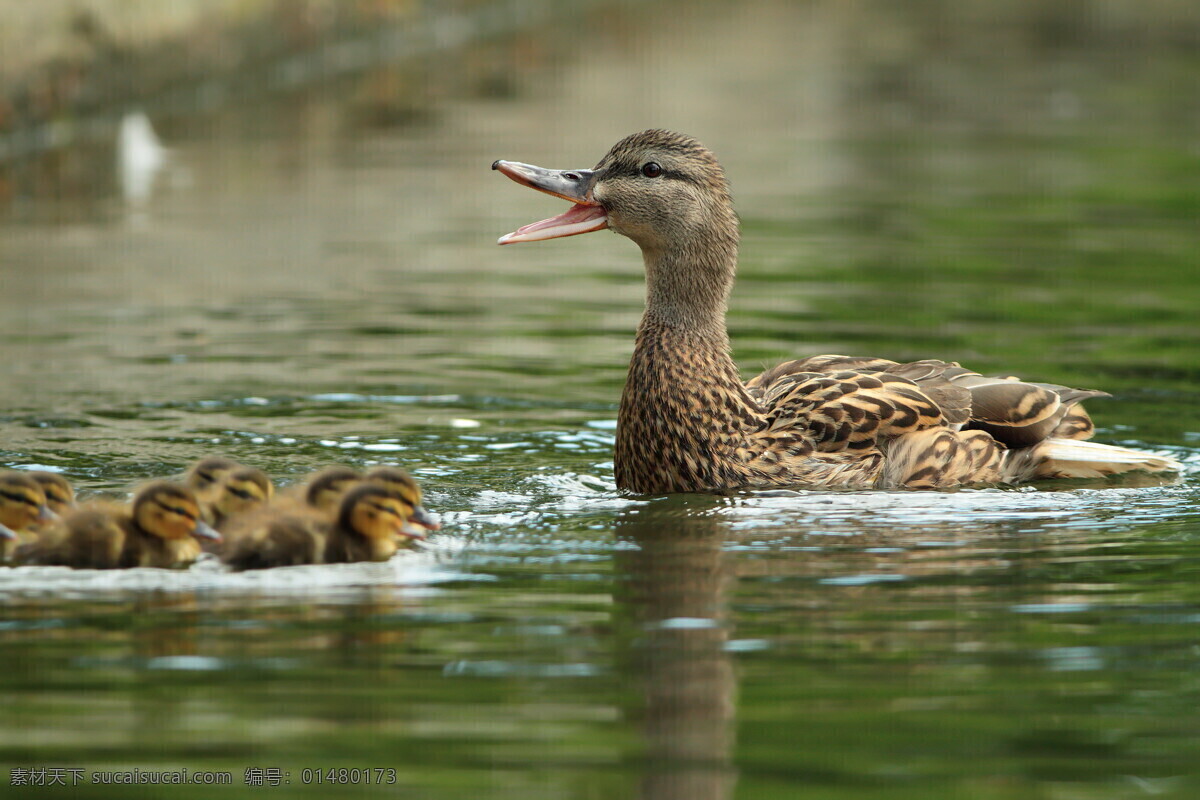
(140,156)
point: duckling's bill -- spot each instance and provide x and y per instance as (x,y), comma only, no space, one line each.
(205,531)
(573,185)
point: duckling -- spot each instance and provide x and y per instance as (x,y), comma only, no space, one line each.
(401,482)
(370,519)
(239,491)
(22,508)
(86,538)
(159,529)
(204,479)
(688,423)
(60,496)
(324,490)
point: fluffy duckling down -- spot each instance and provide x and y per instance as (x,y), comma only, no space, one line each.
(369,525)
(160,528)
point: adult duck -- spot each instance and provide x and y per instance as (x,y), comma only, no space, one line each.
(687,422)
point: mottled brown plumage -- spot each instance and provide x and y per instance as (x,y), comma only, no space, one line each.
(687,422)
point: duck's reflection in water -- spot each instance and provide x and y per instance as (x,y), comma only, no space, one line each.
(672,590)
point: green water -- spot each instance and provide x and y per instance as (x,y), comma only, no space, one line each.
(1007,186)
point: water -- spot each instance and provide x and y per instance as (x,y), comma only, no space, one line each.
(989,184)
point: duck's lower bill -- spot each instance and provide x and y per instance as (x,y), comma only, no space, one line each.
(574,221)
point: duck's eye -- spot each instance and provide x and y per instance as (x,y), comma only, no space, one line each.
(651,169)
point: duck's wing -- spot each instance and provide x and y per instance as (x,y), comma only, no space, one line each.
(847,403)
(1022,414)
(1015,413)
(934,422)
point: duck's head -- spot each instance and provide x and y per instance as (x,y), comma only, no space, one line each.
(662,189)
(60,497)
(374,512)
(170,511)
(208,472)
(403,484)
(327,487)
(242,489)
(22,502)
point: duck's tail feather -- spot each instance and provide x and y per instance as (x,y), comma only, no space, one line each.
(1073,458)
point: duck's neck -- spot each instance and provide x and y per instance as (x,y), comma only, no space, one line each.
(684,411)
(687,287)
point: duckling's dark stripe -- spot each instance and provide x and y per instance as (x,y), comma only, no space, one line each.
(242,493)
(18,498)
(183,512)
(384,509)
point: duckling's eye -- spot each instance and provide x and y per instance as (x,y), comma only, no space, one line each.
(651,169)
(183,512)
(244,494)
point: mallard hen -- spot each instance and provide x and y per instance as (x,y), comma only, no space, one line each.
(687,422)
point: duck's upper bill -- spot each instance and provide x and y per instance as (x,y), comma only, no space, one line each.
(583,217)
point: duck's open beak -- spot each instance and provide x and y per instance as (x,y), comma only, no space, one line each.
(574,185)
(205,531)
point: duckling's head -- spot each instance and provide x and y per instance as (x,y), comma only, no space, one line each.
(374,512)
(242,489)
(170,511)
(208,472)
(403,484)
(22,501)
(327,487)
(662,189)
(60,497)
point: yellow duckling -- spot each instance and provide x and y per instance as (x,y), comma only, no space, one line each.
(60,496)
(204,479)
(22,507)
(239,491)
(401,482)
(370,519)
(324,490)
(159,529)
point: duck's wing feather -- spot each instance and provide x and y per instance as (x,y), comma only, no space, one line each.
(851,403)
(934,423)
(852,399)
(1021,414)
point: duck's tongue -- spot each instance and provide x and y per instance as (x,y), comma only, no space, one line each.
(574,185)
(575,220)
